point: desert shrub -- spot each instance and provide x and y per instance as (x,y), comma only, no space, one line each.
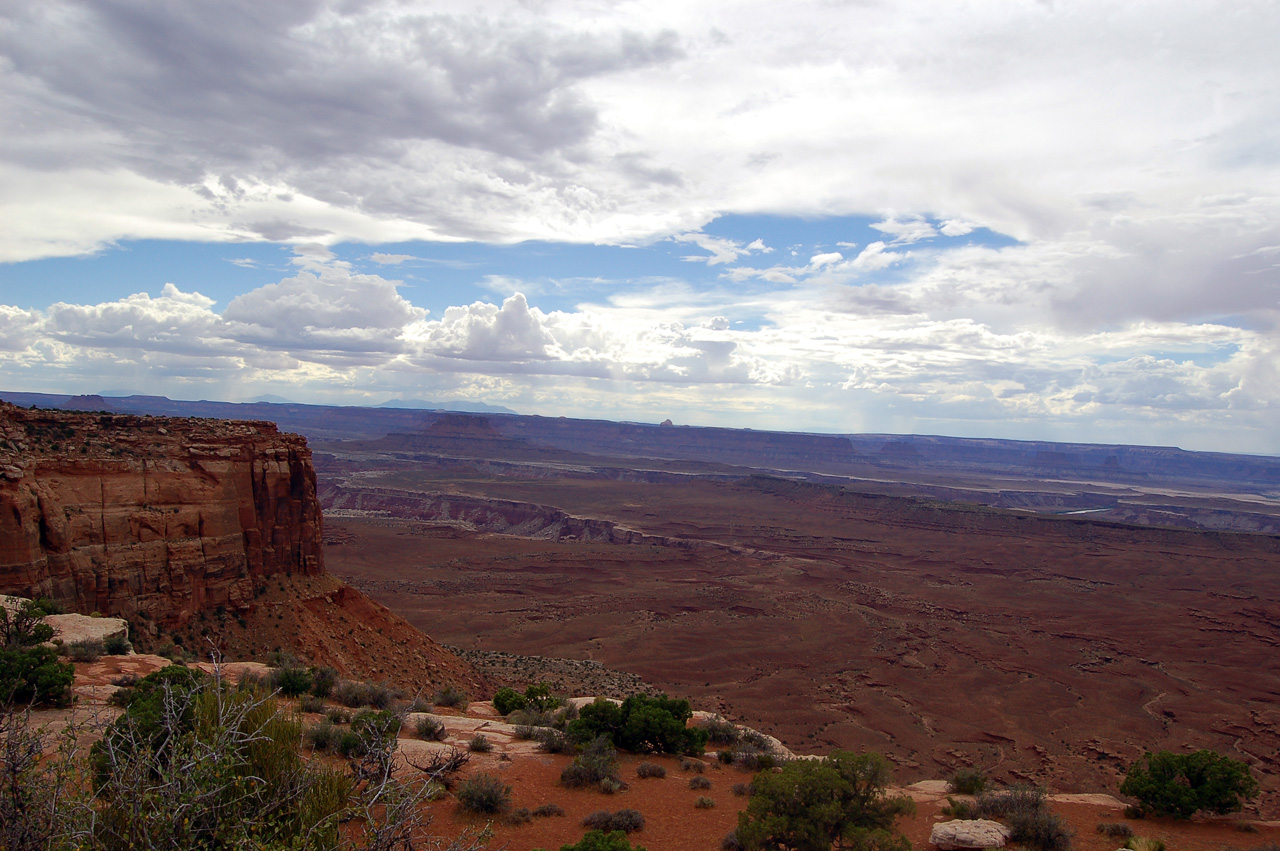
(1182,784)
(1144,843)
(430,729)
(596,764)
(598,840)
(519,816)
(961,809)
(810,804)
(379,727)
(599,820)
(338,716)
(1115,829)
(626,820)
(323,736)
(724,756)
(749,758)
(484,794)
(349,745)
(699,783)
(323,680)
(116,645)
(311,703)
(687,764)
(650,769)
(641,724)
(525,732)
(612,785)
(358,694)
(720,731)
(192,763)
(565,714)
(1005,803)
(291,681)
(451,697)
(704,803)
(480,744)
(731,842)
(548,811)
(967,781)
(419,704)
(554,741)
(532,718)
(741,790)
(1040,829)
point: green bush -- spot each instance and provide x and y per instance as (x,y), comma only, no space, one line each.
(548,811)
(480,744)
(29,672)
(1180,785)
(704,803)
(699,783)
(291,681)
(810,804)
(967,781)
(650,769)
(484,794)
(117,645)
(508,700)
(598,840)
(627,821)
(641,724)
(322,681)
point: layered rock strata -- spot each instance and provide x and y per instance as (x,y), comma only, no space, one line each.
(151,519)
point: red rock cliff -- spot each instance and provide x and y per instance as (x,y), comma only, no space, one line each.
(148,516)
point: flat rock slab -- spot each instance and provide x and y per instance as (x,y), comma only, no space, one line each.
(969,833)
(72,628)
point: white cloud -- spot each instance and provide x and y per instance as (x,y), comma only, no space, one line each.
(722,250)
(390,259)
(907,230)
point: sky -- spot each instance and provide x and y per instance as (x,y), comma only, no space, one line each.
(1031,220)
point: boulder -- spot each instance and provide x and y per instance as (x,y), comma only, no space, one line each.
(72,628)
(969,833)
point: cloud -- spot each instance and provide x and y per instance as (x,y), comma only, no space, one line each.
(722,250)
(324,307)
(390,259)
(908,230)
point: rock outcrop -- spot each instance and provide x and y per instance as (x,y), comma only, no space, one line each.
(151,519)
(968,833)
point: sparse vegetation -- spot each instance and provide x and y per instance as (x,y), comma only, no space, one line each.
(430,729)
(537,698)
(480,743)
(1031,823)
(650,769)
(627,821)
(1180,785)
(595,765)
(484,794)
(1144,843)
(704,803)
(598,840)
(549,811)
(699,783)
(810,804)
(452,698)
(1115,829)
(967,781)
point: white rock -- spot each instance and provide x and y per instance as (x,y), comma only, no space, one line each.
(969,833)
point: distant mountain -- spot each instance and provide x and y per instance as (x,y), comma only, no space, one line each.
(274,400)
(454,405)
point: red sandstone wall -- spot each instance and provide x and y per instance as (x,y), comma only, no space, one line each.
(151,516)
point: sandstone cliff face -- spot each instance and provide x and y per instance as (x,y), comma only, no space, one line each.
(151,518)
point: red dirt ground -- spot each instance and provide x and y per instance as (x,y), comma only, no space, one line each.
(1053,651)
